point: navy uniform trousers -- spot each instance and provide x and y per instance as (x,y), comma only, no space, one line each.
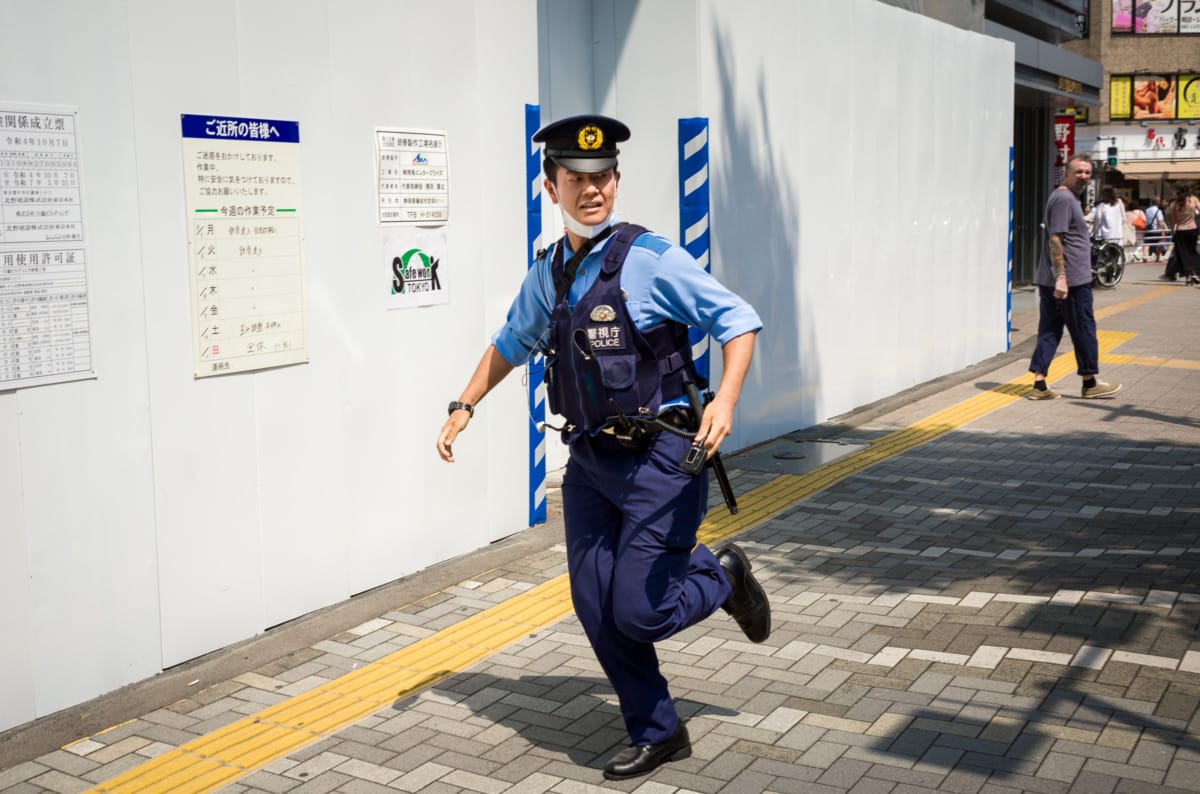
(1075,312)
(637,575)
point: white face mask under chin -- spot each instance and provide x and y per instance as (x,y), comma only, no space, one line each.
(587,232)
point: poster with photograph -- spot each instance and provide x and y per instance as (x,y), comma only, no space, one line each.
(1122,16)
(1154,16)
(1157,16)
(1154,96)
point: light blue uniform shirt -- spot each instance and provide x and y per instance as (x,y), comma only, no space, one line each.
(661,282)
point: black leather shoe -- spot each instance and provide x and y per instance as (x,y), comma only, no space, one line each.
(748,605)
(638,761)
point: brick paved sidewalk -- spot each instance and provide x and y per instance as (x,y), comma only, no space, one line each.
(1008,607)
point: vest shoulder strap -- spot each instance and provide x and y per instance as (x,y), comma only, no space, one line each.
(563,275)
(618,249)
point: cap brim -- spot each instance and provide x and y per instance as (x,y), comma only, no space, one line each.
(585,165)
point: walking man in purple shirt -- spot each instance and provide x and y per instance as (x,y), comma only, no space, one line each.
(1064,282)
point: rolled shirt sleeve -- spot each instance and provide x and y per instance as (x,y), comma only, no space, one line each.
(675,287)
(528,316)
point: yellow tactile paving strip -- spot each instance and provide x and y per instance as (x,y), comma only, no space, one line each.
(1150,361)
(224,755)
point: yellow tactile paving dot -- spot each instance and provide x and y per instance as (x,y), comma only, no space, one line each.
(222,756)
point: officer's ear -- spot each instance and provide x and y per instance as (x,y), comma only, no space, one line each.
(550,189)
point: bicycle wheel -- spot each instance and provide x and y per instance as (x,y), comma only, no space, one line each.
(1110,266)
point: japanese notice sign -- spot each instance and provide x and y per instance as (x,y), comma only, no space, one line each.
(45,334)
(413,176)
(245,243)
(416,269)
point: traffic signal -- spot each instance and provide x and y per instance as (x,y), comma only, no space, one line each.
(1112,157)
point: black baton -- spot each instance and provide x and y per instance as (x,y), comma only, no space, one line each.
(714,462)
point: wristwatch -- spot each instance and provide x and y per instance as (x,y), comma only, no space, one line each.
(457,406)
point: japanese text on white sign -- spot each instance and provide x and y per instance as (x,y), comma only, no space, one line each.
(45,334)
(413,176)
(245,243)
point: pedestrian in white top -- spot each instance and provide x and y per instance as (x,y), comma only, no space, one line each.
(1110,218)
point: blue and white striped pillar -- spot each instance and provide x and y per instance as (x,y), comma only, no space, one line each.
(693,214)
(1012,166)
(537,365)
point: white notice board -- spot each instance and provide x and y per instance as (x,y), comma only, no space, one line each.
(45,328)
(412,170)
(245,243)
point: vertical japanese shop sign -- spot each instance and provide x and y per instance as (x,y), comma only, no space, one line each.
(45,334)
(245,243)
(1120,96)
(1064,145)
(413,176)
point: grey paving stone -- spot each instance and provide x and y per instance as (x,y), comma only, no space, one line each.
(868,785)
(1093,783)
(1138,787)
(266,781)
(844,773)
(21,772)
(25,788)
(1119,770)
(56,781)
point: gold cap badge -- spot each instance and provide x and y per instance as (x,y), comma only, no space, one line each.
(590,138)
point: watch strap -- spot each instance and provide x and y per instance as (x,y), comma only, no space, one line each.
(456,405)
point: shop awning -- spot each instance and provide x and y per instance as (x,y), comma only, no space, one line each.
(1160,169)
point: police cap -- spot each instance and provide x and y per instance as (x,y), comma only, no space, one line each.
(585,144)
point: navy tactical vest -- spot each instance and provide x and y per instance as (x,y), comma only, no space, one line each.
(598,364)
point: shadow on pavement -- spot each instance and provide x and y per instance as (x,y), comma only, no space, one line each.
(572,718)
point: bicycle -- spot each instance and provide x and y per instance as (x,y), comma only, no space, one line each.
(1108,263)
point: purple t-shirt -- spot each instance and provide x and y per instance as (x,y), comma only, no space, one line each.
(1064,217)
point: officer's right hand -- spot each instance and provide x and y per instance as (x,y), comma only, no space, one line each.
(455,424)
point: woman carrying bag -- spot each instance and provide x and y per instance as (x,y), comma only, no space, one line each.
(1181,215)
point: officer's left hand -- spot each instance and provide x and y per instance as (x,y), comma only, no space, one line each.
(716,425)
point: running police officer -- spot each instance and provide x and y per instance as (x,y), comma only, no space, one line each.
(609,306)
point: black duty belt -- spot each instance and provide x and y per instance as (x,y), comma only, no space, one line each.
(637,432)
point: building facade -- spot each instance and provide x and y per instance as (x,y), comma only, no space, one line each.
(1048,74)
(1145,135)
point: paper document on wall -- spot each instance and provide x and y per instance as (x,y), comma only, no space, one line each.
(412,171)
(45,327)
(245,243)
